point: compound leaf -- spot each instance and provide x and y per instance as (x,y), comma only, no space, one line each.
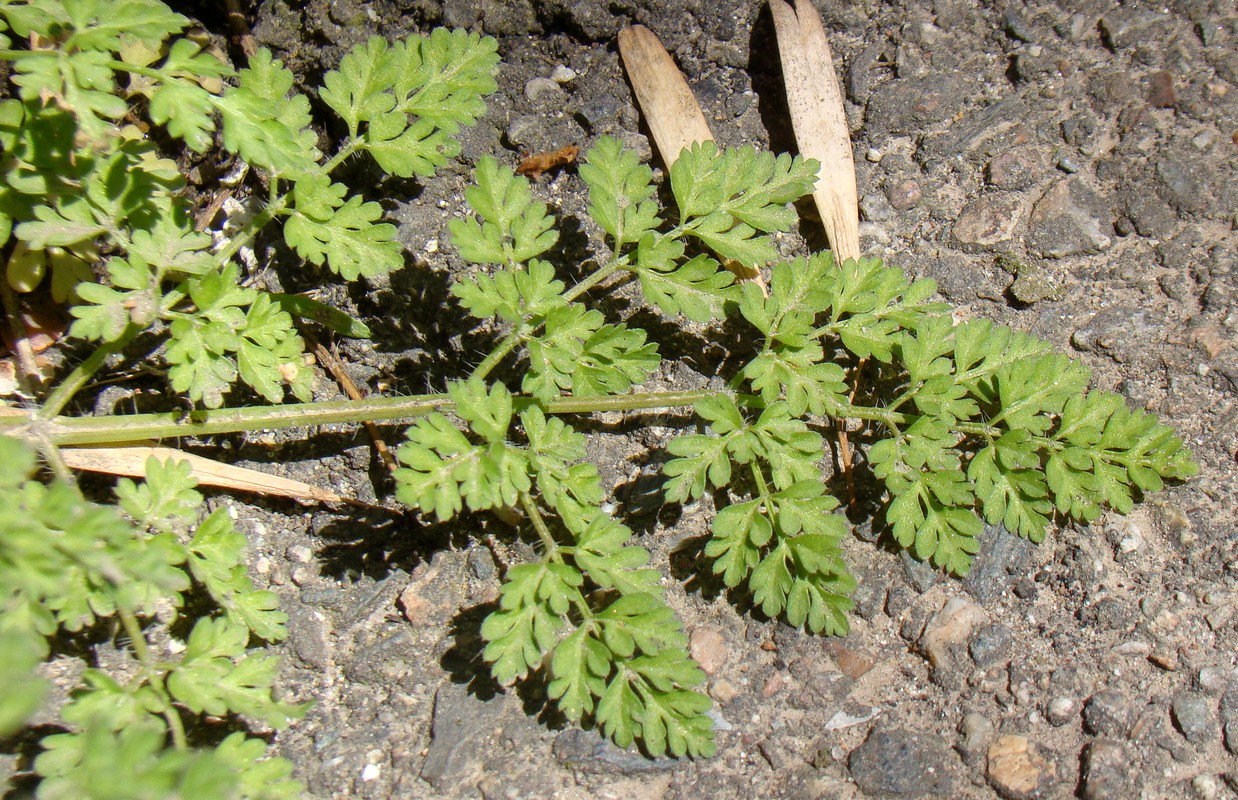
(509,226)
(620,191)
(350,240)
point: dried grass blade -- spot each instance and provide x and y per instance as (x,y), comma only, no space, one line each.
(131,461)
(671,110)
(819,120)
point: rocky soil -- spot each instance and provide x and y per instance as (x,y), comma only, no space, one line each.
(1065,168)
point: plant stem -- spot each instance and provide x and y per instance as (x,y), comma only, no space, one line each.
(539,525)
(762,487)
(246,234)
(133,428)
(516,337)
(510,343)
(593,280)
(153,676)
(83,372)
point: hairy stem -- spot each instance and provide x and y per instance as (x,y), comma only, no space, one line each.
(81,374)
(132,428)
(153,676)
(525,329)
(510,343)
(539,525)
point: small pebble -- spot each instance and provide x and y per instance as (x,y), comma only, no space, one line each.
(1192,713)
(874,206)
(899,763)
(301,576)
(708,648)
(1206,787)
(542,90)
(1215,679)
(991,645)
(1018,768)
(976,729)
(300,553)
(1131,542)
(1110,771)
(562,74)
(521,130)
(1061,710)
(852,661)
(904,195)
(874,155)
(1204,140)
(723,691)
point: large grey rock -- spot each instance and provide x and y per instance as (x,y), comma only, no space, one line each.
(1124,28)
(1192,713)
(1070,219)
(1185,185)
(1002,556)
(1111,771)
(911,105)
(461,723)
(898,763)
(1119,332)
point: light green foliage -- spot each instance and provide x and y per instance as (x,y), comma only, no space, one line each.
(65,564)
(234,331)
(76,180)
(510,226)
(411,97)
(621,192)
(346,235)
(79,181)
(216,560)
(730,197)
(588,603)
(588,612)
(981,423)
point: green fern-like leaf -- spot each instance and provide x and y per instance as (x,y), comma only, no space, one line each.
(265,122)
(510,227)
(731,197)
(620,192)
(348,237)
(514,294)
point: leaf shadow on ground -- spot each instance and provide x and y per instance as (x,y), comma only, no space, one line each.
(376,544)
(465,665)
